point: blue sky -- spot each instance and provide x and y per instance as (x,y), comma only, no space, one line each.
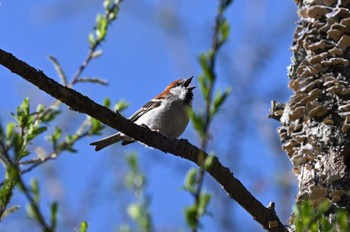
(151,44)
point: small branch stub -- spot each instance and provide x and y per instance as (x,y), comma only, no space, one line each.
(276,110)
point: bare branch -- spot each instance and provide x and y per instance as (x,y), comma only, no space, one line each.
(266,216)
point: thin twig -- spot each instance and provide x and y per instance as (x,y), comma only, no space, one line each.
(34,205)
(110,11)
(53,155)
(77,102)
(208,101)
(83,66)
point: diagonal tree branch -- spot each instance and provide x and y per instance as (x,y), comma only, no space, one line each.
(266,216)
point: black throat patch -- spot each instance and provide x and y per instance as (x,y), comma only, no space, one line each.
(188,97)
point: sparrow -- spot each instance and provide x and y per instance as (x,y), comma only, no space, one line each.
(165,113)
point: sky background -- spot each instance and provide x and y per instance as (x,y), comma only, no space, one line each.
(151,44)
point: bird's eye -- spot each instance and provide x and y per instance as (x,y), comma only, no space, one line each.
(178,83)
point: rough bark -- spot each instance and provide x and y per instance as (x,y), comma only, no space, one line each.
(315,123)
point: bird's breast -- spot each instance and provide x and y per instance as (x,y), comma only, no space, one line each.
(169,119)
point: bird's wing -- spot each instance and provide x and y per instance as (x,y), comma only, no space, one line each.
(144,109)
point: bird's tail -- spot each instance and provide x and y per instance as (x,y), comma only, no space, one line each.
(105,142)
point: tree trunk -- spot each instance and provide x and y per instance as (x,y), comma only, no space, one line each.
(315,123)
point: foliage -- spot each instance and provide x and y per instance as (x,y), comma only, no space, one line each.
(16,153)
(202,120)
(199,209)
(83,226)
(17,156)
(138,210)
(29,125)
(308,218)
(14,148)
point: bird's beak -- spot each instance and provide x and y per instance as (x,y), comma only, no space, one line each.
(188,82)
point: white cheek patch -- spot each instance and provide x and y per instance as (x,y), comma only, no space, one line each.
(179,91)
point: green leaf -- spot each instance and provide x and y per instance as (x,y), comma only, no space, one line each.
(134,211)
(22,114)
(9,211)
(6,189)
(35,189)
(204,200)
(92,40)
(96,126)
(34,132)
(121,105)
(224,31)
(23,153)
(12,174)
(112,15)
(190,180)
(24,107)
(99,19)
(324,207)
(133,163)
(39,130)
(208,162)
(204,61)
(54,210)
(101,28)
(191,216)
(70,139)
(10,130)
(203,85)
(30,212)
(107,102)
(106,4)
(219,100)
(16,142)
(343,220)
(306,213)
(308,218)
(71,150)
(198,124)
(50,115)
(136,181)
(40,108)
(96,54)
(83,226)
(55,136)
(325,225)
